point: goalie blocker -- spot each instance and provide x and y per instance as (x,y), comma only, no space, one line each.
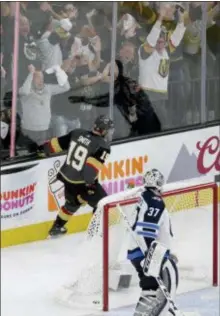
(156,267)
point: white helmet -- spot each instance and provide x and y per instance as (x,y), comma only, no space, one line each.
(154,179)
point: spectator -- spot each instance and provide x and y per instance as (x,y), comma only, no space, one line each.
(178,79)
(70,12)
(7,29)
(67,11)
(98,100)
(3,74)
(27,50)
(84,77)
(87,43)
(129,38)
(154,63)
(192,38)
(24,8)
(213,32)
(78,39)
(192,49)
(5,129)
(99,21)
(128,57)
(20,139)
(134,114)
(213,41)
(3,79)
(135,105)
(49,43)
(35,99)
(130,30)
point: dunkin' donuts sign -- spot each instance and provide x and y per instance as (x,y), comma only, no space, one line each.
(116,175)
(18,201)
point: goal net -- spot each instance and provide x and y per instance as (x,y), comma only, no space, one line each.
(102,274)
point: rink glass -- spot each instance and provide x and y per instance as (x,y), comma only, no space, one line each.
(115,31)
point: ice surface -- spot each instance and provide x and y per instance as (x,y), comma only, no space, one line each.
(32,274)
(204,302)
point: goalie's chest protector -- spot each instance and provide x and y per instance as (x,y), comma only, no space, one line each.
(153,221)
(151,207)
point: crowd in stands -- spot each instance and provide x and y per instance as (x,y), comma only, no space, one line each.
(64,67)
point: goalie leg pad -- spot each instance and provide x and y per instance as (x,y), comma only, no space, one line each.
(170,277)
(154,259)
(152,303)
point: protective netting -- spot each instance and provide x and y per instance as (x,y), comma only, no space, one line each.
(192,221)
(88,268)
(192,216)
(91,267)
(186,201)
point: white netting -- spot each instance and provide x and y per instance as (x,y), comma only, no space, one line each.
(192,224)
(192,220)
(88,270)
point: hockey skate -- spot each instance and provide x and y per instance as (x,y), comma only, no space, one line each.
(150,303)
(57,231)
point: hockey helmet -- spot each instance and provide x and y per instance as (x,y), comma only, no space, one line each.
(154,179)
(104,126)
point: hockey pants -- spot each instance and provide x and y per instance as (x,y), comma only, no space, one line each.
(77,195)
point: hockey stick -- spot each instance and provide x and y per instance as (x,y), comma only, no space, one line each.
(155,255)
(173,307)
(163,288)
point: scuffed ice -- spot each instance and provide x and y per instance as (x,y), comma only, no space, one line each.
(204,302)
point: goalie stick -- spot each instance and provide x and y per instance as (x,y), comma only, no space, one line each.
(173,308)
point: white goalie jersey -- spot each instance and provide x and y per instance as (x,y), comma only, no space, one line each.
(152,223)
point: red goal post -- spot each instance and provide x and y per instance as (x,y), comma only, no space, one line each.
(197,196)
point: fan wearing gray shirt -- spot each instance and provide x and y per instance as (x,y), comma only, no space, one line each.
(35,98)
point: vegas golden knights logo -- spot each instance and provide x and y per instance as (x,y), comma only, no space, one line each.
(164,68)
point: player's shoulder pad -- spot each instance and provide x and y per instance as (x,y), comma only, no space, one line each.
(106,146)
(102,151)
(77,132)
(149,195)
(103,144)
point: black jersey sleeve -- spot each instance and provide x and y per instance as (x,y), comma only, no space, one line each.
(94,163)
(57,144)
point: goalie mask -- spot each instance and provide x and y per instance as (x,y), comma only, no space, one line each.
(154,179)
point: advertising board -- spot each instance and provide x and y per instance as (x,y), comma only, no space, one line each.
(31,195)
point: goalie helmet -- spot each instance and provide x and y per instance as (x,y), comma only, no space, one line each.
(154,179)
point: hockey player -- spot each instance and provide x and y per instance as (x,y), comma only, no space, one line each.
(153,224)
(87,152)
